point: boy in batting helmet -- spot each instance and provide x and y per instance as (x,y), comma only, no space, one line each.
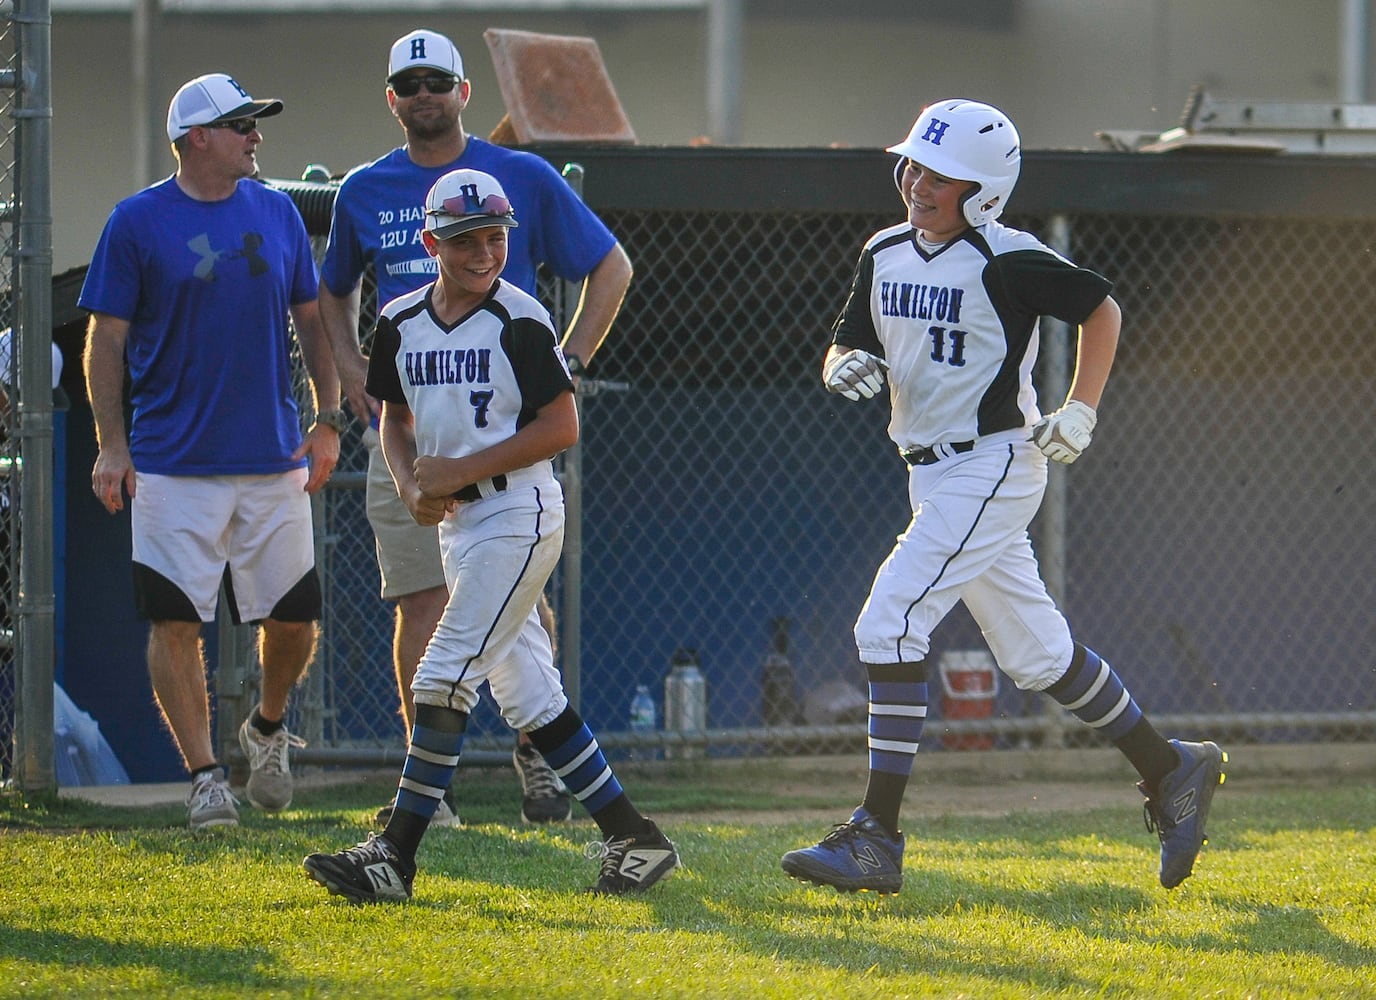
(945,307)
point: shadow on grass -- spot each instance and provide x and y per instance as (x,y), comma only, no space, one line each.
(229,968)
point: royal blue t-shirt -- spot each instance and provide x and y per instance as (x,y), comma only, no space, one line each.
(379,213)
(206,288)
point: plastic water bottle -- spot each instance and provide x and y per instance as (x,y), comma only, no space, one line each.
(643,719)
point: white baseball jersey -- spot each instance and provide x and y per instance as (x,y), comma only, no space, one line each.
(958,327)
(472,384)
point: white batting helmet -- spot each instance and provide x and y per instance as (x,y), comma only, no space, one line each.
(967,141)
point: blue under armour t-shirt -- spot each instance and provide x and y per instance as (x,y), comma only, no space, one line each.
(206,288)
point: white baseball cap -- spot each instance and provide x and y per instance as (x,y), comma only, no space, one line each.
(466,199)
(215,97)
(424,49)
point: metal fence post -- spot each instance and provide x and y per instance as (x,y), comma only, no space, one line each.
(34,766)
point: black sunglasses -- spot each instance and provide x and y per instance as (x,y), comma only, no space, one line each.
(409,86)
(242,126)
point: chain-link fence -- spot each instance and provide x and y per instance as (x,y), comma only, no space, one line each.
(1215,544)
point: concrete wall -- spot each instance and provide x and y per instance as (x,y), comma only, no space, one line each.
(1061,68)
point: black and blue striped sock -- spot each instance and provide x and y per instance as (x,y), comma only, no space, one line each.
(1093,692)
(568,746)
(436,742)
(897,713)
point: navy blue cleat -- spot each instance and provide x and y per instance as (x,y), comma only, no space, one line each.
(858,856)
(1180,806)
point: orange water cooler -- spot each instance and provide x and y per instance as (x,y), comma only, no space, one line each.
(969,685)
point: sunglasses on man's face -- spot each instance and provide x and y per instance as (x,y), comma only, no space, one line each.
(409,86)
(242,126)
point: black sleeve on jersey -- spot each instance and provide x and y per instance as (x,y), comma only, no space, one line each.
(854,327)
(534,355)
(384,381)
(1046,285)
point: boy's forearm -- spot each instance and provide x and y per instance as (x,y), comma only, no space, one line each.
(1098,348)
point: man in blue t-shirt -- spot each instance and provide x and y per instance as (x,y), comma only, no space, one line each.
(378,221)
(192,282)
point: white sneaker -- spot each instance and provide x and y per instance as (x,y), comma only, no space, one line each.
(211,803)
(445,815)
(269,779)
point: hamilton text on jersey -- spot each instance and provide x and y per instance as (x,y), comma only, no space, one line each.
(449,367)
(913,301)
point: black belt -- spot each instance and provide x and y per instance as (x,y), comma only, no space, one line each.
(471,492)
(934,454)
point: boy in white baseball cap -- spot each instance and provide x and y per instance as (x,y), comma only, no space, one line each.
(476,401)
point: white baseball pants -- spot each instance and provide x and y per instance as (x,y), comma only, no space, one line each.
(968,541)
(498,553)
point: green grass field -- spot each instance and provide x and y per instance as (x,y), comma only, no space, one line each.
(98,901)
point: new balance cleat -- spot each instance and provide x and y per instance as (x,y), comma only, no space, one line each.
(857,856)
(269,778)
(211,803)
(370,872)
(634,862)
(544,799)
(1178,809)
(445,815)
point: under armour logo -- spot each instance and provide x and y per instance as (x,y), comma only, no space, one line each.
(936,128)
(868,859)
(209,256)
(418,48)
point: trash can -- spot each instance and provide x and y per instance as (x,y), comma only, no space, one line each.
(969,685)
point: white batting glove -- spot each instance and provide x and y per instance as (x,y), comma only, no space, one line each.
(1063,435)
(855,374)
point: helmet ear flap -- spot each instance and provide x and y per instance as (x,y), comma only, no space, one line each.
(977,207)
(965,206)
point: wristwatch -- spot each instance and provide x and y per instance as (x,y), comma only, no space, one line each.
(575,365)
(335,419)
